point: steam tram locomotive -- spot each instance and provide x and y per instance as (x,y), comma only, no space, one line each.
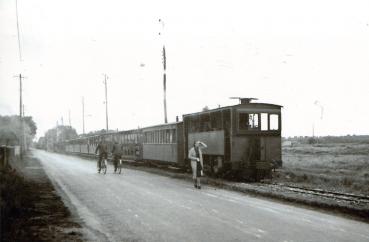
(243,139)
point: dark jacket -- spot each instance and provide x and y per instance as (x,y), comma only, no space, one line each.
(117,149)
(102,149)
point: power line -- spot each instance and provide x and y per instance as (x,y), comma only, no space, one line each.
(19,44)
(106,101)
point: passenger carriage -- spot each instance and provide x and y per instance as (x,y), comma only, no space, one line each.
(163,143)
(130,142)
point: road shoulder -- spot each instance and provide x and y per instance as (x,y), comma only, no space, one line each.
(42,215)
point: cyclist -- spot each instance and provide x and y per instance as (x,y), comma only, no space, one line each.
(117,154)
(102,148)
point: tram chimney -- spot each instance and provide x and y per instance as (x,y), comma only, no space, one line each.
(247,100)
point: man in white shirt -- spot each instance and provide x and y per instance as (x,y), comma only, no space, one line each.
(197,165)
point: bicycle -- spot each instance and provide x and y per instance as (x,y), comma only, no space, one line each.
(103,166)
(118,165)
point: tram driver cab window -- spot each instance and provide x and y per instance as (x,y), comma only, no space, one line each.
(274,121)
(248,121)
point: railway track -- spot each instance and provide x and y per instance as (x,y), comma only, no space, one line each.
(323,193)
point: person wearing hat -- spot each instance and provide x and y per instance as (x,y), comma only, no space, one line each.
(197,165)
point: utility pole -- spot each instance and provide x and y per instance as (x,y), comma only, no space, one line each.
(164,75)
(21,139)
(106,101)
(23,130)
(70,124)
(83,115)
(165,86)
(20,95)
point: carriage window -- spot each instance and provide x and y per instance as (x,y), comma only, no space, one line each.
(274,121)
(167,134)
(248,121)
(174,136)
(264,121)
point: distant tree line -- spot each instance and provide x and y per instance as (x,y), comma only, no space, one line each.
(97,132)
(329,139)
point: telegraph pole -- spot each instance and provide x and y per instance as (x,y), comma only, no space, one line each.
(70,124)
(164,76)
(22,139)
(106,101)
(23,130)
(21,113)
(20,95)
(83,115)
(165,86)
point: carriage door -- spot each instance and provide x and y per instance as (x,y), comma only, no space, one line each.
(263,148)
(264,126)
(254,150)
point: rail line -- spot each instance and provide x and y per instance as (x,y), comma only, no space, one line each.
(323,193)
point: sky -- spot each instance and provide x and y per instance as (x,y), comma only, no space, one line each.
(311,57)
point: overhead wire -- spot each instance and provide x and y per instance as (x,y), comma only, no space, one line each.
(19,44)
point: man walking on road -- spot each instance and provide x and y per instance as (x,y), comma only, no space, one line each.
(102,148)
(197,165)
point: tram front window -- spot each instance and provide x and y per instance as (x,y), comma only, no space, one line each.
(264,121)
(274,121)
(248,121)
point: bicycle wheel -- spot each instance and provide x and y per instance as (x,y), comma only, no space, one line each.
(99,168)
(119,167)
(104,167)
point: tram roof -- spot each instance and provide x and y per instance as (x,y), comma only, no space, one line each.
(249,105)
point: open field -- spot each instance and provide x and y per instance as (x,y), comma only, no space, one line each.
(335,167)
